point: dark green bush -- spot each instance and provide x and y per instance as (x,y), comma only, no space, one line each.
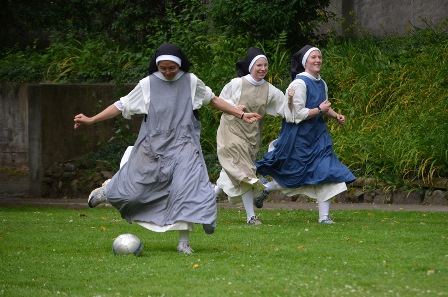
(393,92)
(22,65)
(266,19)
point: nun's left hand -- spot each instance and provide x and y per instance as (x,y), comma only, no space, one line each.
(250,117)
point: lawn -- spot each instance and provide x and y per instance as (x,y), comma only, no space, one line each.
(66,252)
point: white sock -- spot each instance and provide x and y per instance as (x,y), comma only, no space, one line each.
(270,186)
(248,202)
(218,190)
(184,237)
(324,209)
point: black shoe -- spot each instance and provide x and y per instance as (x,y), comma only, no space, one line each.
(259,200)
(208,228)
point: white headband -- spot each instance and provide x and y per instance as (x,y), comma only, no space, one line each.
(305,56)
(255,59)
(168,58)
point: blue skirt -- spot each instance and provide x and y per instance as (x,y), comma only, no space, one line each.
(303,155)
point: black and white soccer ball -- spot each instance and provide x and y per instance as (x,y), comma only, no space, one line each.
(127,244)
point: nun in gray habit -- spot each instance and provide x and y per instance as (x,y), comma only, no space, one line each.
(164,184)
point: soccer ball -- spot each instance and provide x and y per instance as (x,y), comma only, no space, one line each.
(127,244)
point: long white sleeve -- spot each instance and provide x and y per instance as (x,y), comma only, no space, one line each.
(137,101)
(277,104)
(299,112)
(200,93)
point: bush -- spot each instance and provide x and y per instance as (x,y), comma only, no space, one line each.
(22,65)
(393,92)
(266,19)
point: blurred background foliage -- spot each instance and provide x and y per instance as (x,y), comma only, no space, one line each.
(393,90)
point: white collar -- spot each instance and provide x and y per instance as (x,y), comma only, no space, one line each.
(309,76)
(253,81)
(160,75)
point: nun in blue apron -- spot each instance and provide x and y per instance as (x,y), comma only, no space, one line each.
(302,160)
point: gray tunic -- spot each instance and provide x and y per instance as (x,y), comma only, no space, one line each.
(165,179)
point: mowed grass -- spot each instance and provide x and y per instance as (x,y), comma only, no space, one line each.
(66,252)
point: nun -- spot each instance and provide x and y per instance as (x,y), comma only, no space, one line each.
(237,141)
(301,160)
(164,184)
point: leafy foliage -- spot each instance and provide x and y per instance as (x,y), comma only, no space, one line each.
(396,111)
(22,65)
(96,59)
(121,21)
(266,19)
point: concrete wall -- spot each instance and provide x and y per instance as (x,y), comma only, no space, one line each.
(52,137)
(37,124)
(13,126)
(385,17)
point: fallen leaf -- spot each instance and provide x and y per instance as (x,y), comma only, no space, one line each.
(431,271)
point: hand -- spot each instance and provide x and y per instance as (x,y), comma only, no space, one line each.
(250,117)
(291,94)
(340,118)
(80,120)
(325,106)
(241,107)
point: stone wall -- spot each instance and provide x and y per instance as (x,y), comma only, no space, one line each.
(67,180)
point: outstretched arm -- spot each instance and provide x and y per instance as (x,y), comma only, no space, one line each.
(108,113)
(221,104)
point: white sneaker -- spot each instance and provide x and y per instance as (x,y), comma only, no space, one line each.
(327,221)
(254,220)
(184,248)
(98,195)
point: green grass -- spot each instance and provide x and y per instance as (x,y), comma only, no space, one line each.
(61,252)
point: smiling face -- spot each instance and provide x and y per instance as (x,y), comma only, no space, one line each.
(169,69)
(313,63)
(259,69)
